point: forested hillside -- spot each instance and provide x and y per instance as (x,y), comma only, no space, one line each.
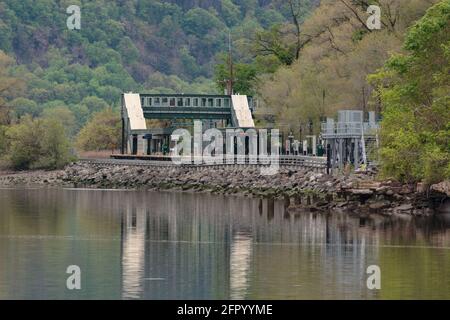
(127,45)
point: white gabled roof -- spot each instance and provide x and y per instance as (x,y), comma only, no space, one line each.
(134,111)
(242,116)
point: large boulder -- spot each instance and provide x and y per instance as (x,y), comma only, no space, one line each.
(443,187)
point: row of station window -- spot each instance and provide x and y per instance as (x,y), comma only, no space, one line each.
(184,102)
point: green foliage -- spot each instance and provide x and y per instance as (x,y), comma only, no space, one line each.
(189,63)
(414,91)
(3,141)
(23,106)
(270,17)
(160,83)
(271,43)
(37,143)
(62,115)
(128,50)
(244,75)
(122,46)
(199,21)
(55,145)
(102,132)
(231,13)
(94,104)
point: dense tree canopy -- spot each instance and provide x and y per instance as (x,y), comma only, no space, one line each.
(102,132)
(330,73)
(414,91)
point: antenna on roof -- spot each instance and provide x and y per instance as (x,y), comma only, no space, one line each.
(230,81)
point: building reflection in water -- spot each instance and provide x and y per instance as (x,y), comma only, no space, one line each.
(177,246)
(133,252)
(157,245)
(240,261)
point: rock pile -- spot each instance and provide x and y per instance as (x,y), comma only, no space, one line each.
(303,189)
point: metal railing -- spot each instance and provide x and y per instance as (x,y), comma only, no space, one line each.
(348,128)
(237,161)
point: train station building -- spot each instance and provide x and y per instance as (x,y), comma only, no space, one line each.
(220,111)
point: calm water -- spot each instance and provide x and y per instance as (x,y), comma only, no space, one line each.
(145,245)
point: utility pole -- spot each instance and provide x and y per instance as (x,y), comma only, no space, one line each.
(364,100)
(323,103)
(230,81)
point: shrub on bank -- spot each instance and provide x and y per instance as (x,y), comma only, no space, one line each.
(37,144)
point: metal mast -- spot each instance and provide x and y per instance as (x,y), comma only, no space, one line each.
(230,81)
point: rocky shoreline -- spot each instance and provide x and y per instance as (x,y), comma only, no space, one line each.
(300,189)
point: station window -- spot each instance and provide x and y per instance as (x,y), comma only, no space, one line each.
(187,102)
(157,101)
(180,102)
(226,102)
(150,102)
(218,103)
(165,101)
(195,100)
(203,102)
(172,102)
(210,102)
(142,101)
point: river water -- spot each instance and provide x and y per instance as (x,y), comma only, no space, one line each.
(151,245)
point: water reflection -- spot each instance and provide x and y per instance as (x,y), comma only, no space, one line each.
(240,258)
(133,251)
(144,245)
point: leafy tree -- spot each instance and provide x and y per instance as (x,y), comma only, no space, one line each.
(23,106)
(271,42)
(413,89)
(55,145)
(231,12)
(109,94)
(62,115)
(3,141)
(37,143)
(102,132)
(94,104)
(9,87)
(189,63)
(99,53)
(244,77)
(6,36)
(199,21)
(270,17)
(128,50)
(81,113)
(285,41)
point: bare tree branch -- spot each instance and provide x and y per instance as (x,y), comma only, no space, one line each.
(355,13)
